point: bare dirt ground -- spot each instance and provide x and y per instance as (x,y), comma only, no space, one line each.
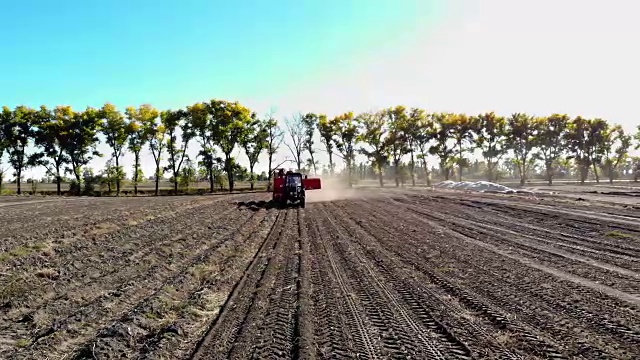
(376,274)
(627,193)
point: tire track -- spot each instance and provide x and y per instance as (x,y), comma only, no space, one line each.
(625,280)
(335,335)
(402,336)
(219,340)
(207,299)
(614,251)
(276,336)
(518,301)
(364,341)
(406,307)
(121,309)
(527,338)
(424,302)
(98,278)
(62,315)
(624,291)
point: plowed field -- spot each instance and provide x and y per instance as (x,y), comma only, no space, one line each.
(395,274)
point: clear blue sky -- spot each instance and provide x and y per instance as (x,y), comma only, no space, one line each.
(172,53)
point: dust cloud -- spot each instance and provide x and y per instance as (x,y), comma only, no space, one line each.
(334,188)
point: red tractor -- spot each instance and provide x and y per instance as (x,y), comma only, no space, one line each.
(291,187)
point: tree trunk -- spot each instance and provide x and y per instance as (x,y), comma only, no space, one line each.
(18,179)
(349,172)
(157,179)
(445,172)
(210,171)
(118,176)
(270,171)
(229,171)
(175,181)
(313,162)
(426,173)
(135,174)
(380,176)
(79,191)
(396,164)
(584,172)
(413,169)
(549,173)
(330,162)
(459,162)
(299,162)
(58,184)
(595,172)
(252,175)
(331,167)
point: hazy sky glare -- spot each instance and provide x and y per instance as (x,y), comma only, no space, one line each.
(330,56)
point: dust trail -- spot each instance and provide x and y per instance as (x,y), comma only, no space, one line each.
(337,188)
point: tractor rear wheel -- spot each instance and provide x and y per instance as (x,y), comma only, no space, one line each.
(283,203)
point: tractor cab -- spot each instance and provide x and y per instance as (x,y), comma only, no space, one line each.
(291,187)
(293,179)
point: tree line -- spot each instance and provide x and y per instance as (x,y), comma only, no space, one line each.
(388,136)
(65,141)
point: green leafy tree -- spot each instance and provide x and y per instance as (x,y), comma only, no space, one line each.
(254,143)
(636,167)
(232,121)
(138,136)
(156,135)
(550,140)
(598,128)
(109,175)
(4,118)
(346,139)
(240,172)
(373,131)
(578,144)
(18,129)
(462,130)
(490,137)
(327,131)
(49,137)
(521,137)
(443,147)
(310,121)
(203,125)
(586,141)
(615,150)
(80,138)
(397,140)
(116,131)
(187,175)
(423,137)
(174,121)
(412,131)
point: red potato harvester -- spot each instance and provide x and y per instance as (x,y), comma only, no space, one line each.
(291,187)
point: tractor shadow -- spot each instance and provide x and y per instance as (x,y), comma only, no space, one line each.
(257,205)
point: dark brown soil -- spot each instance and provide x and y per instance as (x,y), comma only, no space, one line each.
(395,274)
